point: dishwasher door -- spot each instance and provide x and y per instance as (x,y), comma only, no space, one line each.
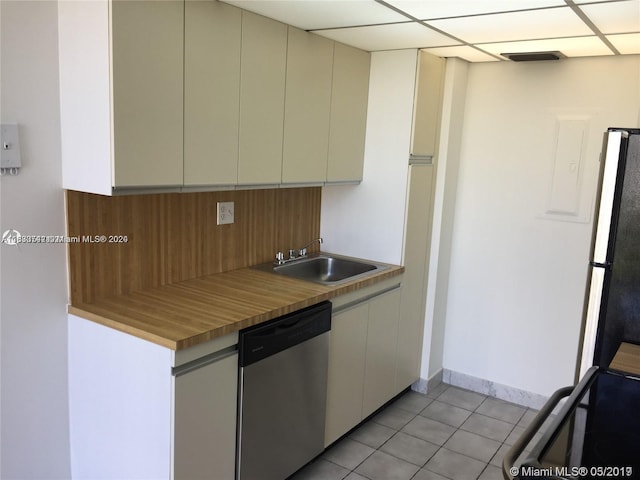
(283,391)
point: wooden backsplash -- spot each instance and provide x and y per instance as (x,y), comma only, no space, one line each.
(173,237)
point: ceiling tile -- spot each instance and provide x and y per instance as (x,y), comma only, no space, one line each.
(535,24)
(499,26)
(597,1)
(617,17)
(315,14)
(467,53)
(627,43)
(571,47)
(431,9)
(388,37)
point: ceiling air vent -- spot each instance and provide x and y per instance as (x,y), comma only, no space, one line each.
(533,56)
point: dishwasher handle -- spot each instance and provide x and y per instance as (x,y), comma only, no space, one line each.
(261,341)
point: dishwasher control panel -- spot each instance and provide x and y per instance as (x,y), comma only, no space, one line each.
(269,338)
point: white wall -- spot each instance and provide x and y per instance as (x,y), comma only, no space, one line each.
(517,281)
(447,170)
(34,416)
(368,220)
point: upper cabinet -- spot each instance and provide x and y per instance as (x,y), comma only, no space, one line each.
(307,107)
(349,98)
(147,92)
(198,94)
(121,87)
(262,87)
(428,104)
(212,40)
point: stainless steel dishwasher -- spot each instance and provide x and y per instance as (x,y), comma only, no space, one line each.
(283,392)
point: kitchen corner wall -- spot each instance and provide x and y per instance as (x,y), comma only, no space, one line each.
(34,418)
(168,238)
(447,170)
(506,285)
(368,220)
(517,278)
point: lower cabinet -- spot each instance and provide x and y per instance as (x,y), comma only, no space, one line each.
(205,420)
(345,387)
(140,410)
(382,348)
(362,356)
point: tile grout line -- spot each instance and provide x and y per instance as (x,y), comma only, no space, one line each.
(413,415)
(475,410)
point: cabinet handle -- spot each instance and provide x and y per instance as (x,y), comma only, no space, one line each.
(204,361)
(365,299)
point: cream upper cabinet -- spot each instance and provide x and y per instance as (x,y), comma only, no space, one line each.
(147,92)
(121,88)
(349,96)
(212,45)
(428,104)
(307,107)
(262,86)
(197,94)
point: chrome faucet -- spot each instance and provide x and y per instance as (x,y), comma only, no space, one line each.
(295,254)
(302,252)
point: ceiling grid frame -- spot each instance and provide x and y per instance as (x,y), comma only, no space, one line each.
(476,31)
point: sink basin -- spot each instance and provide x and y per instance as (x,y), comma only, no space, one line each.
(327,269)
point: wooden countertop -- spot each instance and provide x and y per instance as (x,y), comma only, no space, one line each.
(627,359)
(191,312)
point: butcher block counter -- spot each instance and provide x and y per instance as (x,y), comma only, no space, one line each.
(191,312)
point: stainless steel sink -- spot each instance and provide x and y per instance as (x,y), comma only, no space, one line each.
(327,269)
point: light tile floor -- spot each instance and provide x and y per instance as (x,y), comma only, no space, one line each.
(450,433)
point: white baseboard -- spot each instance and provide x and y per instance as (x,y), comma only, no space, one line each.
(493,389)
(425,386)
(481,385)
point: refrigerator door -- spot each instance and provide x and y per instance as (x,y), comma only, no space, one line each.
(615,206)
(594,301)
(600,251)
(611,159)
(620,313)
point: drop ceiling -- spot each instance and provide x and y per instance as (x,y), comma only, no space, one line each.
(474,30)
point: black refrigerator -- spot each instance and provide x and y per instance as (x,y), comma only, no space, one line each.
(612,305)
(592,430)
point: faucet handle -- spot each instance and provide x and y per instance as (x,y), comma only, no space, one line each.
(279,257)
(302,252)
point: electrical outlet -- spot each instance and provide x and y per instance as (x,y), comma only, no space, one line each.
(225,213)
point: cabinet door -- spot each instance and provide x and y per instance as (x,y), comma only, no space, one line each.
(416,260)
(380,366)
(205,421)
(346,371)
(428,104)
(264,62)
(147,60)
(349,96)
(307,107)
(212,92)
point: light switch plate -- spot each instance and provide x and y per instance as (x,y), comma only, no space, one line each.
(225,213)
(9,146)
